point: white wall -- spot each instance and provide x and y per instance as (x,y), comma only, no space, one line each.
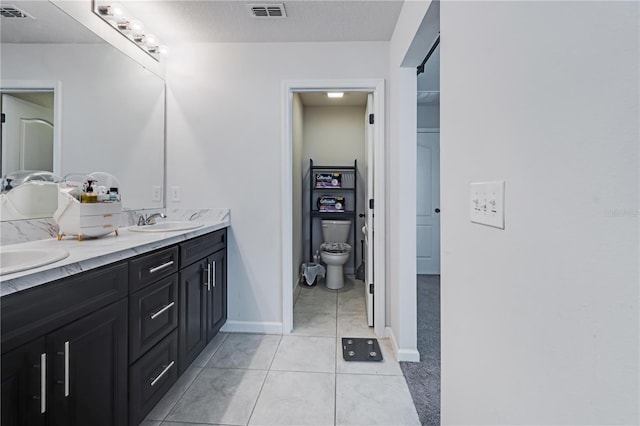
(224,141)
(401,182)
(540,320)
(428,116)
(297,156)
(335,136)
(112,112)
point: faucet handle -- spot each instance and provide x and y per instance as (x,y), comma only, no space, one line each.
(142,220)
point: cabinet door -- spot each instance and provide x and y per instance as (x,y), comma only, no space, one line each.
(90,369)
(217,297)
(193,315)
(24,386)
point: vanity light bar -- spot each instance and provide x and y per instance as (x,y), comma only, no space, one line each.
(123,22)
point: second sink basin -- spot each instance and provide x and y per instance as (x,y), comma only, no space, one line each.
(16,260)
(167,226)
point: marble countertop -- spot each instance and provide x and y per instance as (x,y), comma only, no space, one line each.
(95,252)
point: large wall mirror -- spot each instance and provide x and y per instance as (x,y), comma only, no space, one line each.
(72,103)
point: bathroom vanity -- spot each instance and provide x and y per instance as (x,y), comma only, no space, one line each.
(102,345)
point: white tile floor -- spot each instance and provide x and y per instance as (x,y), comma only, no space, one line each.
(297,379)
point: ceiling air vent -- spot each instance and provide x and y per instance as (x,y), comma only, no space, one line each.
(267,10)
(10,11)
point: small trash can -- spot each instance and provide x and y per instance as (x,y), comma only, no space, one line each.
(311,271)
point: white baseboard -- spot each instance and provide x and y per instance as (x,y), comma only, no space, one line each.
(256,327)
(408,355)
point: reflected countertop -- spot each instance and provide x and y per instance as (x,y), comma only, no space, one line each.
(95,252)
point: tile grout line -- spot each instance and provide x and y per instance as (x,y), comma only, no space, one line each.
(192,381)
(264,381)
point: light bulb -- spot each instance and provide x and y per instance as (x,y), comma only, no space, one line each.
(150,40)
(163,50)
(136,26)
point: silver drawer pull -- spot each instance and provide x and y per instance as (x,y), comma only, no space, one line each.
(208,277)
(154,381)
(165,308)
(43,383)
(66,368)
(157,268)
(213,273)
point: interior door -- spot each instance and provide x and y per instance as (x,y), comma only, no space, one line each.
(27,134)
(36,144)
(369,223)
(428,203)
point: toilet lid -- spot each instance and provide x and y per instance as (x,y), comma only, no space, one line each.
(335,247)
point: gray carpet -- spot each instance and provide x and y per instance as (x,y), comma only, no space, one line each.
(423,377)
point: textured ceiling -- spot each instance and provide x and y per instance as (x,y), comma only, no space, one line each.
(176,21)
(189,21)
(47,24)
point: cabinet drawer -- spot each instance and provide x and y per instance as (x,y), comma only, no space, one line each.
(53,305)
(149,268)
(153,313)
(151,377)
(198,248)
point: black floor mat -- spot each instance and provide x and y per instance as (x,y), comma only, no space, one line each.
(361,349)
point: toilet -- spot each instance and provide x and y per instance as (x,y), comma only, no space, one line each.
(334,251)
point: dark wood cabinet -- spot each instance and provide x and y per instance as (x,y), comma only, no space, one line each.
(192,336)
(152,376)
(24,385)
(102,347)
(203,294)
(76,375)
(153,313)
(217,294)
(89,369)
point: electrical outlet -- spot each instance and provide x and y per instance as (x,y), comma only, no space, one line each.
(487,203)
(175,194)
(156,193)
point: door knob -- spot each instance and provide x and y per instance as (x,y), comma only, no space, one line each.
(437,210)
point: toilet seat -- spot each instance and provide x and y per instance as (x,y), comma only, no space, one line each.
(337,248)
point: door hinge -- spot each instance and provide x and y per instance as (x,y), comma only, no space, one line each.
(371,203)
(371,288)
(371,119)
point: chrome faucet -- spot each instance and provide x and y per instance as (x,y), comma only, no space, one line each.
(149,220)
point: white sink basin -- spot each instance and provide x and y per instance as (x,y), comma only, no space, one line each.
(167,226)
(16,260)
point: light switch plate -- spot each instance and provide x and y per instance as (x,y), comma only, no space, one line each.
(487,203)
(156,193)
(175,193)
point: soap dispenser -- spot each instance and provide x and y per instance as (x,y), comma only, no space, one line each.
(88,196)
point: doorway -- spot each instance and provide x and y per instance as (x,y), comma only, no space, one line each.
(31,126)
(292,248)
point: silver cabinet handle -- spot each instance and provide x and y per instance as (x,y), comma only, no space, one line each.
(213,273)
(43,383)
(208,277)
(164,308)
(66,368)
(158,268)
(167,368)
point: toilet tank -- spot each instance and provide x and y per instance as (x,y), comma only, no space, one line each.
(335,231)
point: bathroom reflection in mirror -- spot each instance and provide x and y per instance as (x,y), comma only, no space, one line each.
(108,110)
(27,137)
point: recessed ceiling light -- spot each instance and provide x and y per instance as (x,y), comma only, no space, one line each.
(335,94)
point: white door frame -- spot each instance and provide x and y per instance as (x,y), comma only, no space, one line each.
(55,86)
(375,86)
